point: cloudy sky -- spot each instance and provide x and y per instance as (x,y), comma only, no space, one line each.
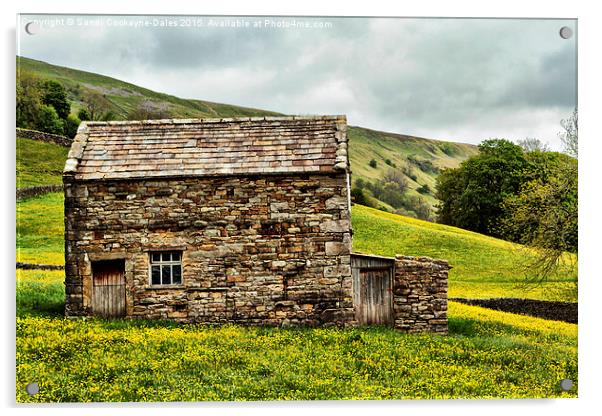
(452,79)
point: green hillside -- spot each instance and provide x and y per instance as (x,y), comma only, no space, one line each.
(125,97)
(39,163)
(405,154)
(365,144)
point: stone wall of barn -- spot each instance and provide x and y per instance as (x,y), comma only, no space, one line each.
(255,250)
(420,294)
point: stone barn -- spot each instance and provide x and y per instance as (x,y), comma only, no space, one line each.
(242,220)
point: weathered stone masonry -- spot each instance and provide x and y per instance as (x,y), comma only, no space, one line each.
(420,294)
(255,250)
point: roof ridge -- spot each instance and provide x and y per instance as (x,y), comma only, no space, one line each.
(340,118)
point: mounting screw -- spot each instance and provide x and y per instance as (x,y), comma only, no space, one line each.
(32,389)
(566,384)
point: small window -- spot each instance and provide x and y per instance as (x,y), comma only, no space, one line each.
(166,268)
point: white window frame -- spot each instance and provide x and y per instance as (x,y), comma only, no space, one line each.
(162,263)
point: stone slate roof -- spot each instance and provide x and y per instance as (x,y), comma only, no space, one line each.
(208,147)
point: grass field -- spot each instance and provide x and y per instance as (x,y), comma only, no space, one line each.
(39,163)
(488,354)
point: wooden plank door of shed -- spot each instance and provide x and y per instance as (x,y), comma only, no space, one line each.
(374,297)
(108,292)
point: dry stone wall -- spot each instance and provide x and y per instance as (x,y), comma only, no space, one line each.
(420,294)
(264,250)
(44,137)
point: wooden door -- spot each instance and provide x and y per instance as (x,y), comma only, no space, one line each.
(108,291)
(374,296)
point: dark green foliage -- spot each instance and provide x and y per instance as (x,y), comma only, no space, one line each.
(373,163)
(53,94)
(471,195)
(49,121)
(447,148)
(358,197)
(388,162)
(29,101)
(360,183)
(543,215)
(424,165)
(424,189)
(83,114)
(71,125)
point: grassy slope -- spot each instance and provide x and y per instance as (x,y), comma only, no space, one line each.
(482,266)
(39,163)
(365,144)
(125,97)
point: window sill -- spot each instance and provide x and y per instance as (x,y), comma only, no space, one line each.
(160,287)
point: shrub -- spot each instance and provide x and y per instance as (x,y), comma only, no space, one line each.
(424,189)
(360,183)
(409,172)
(49,120)
(447,148)
(83,114)
(358,196)
(388,162)
(71,125)
(373,164)
(424,165)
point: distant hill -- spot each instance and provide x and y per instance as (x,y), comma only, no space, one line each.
(419,160)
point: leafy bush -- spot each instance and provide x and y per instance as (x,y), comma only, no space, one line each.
(358,197)
(54,95)
(424,165)
(447,148)
(373,164)
(424,189)
(360,183)
(83,114)
(71,125)
(388,162)
(49,121)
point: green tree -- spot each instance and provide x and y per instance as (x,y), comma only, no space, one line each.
(49,121)
(71,124)
(53,94)
(359,197)
(83,114)
(543,215)
(471,195)
(373,164)
(29,100)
